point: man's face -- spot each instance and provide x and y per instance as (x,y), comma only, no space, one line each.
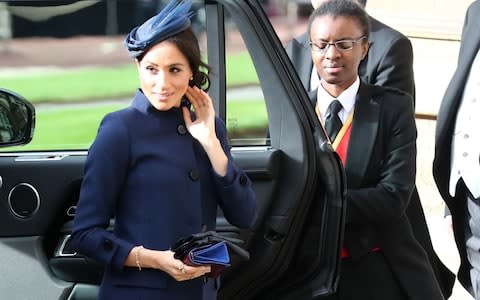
(337,68)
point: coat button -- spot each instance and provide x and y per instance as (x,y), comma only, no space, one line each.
(194,175)
(181,129)
(107,244)
(243,180)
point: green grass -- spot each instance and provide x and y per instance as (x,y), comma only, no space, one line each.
(75,128)
(240,70)
(74,85)
(69,128)
(62,128)
(246,114)
(96,83)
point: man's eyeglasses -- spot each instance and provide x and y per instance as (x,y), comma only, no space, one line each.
(343,45)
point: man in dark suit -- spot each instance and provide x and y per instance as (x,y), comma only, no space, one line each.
(381,259)
(389,62)
(456,166)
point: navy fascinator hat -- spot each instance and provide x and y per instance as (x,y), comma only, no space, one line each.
(173,19)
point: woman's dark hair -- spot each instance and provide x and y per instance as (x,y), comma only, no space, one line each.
(342,8)
(187,43)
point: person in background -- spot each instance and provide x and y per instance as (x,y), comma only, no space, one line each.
(456,165)
(375,138)
(389,62)
(161,170)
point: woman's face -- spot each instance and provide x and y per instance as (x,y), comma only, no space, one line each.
(164,75)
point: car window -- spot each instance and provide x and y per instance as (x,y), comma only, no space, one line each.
(247,119)
(74,72)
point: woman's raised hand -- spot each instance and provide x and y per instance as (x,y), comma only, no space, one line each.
(203,128)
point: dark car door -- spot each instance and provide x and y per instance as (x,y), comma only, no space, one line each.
(298,180)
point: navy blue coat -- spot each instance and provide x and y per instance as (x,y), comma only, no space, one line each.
(145,170)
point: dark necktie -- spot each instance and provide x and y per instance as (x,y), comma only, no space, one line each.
(333,124)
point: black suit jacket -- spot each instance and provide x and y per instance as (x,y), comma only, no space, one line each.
(389,62)
(380,170)
(469,47)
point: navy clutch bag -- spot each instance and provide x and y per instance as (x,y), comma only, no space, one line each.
(216,254)
(208,248)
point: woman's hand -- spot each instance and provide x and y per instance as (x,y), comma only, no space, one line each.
(203,128)
(141,257)
(176,268)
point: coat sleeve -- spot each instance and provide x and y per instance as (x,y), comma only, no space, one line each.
(104,174)
(386,191)
(236,196)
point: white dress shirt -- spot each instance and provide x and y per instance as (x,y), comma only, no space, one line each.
(346,98)
(466,136)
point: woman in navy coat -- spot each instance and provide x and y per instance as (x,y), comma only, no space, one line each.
(160,170)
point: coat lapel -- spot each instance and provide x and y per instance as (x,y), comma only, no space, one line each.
(453,95)
(363,134)
(470,39)
(313,97)
(304,67)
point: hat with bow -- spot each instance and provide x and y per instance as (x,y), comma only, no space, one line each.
(173,19)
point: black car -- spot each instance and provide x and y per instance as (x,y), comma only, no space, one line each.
(276,137)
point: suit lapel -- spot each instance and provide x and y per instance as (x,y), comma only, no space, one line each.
(304,68)
(468,51)
(313,97)
(451,101)
(363,134)
(470,39)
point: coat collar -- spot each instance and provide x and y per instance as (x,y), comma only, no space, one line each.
(363,134)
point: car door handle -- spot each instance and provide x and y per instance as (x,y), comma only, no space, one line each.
(71,211)
(40,157)
(64,247)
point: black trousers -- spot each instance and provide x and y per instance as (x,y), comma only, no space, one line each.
(367,278)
